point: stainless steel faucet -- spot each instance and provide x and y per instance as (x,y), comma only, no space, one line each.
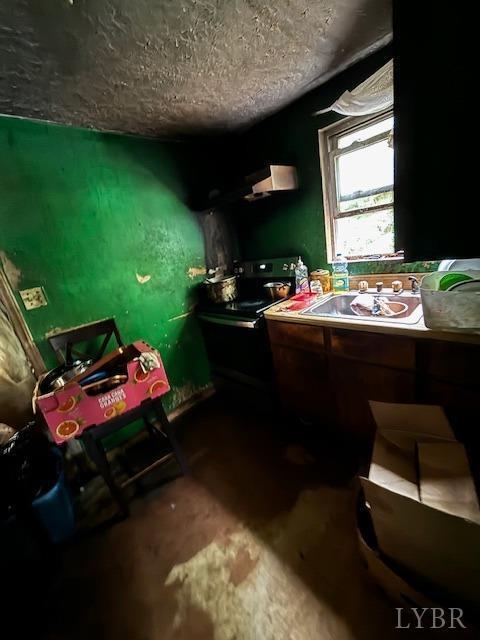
(415,284)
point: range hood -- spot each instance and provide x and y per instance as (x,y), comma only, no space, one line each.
(275,177)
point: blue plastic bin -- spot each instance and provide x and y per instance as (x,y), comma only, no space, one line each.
(54,509)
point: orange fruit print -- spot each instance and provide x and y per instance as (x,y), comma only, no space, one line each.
(141,375)
(110,413)
(68,405)
(155,386)
(115,410)
(67,429)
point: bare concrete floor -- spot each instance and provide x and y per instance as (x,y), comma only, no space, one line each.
(258,543)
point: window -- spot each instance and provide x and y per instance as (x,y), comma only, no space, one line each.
(357,173)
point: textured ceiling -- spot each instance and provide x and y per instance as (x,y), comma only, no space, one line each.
(175,67)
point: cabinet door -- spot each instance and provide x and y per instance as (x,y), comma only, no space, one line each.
(303,383)
(434,178)
(355,383)
(448,375)
(461,405)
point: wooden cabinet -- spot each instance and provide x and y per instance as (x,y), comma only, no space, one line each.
(355,383)
(303,383)
(329,375)
(448,373)
(298,336)
(300,360)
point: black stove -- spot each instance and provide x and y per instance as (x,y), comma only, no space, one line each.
(250,309)
(252,300)
(235,332)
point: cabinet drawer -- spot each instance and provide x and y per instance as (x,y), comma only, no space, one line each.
(381,349)
(297,336)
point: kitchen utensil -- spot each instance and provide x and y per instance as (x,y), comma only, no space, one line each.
(95,377)
(459,265)
(102,386)
(451,279)
(466,285)
(221,289)
(59,376)
(277,290)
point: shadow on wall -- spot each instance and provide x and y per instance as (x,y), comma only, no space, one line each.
(293,223)
(190,170)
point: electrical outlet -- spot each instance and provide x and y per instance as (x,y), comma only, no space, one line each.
(33,298)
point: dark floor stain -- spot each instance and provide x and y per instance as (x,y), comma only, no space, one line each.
(241,566)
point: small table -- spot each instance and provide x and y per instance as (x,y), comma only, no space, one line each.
(158,426)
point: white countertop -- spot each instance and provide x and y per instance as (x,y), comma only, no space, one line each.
(418,330)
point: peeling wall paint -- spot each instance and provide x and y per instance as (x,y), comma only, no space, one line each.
(181,316)
(181,394)
(170,68)
(13,273)
(196,272)
(78,210)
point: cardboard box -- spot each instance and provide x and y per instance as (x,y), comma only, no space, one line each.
(423,501)
(70,410)
(395,586)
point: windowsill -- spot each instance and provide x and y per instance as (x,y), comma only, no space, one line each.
(380,259)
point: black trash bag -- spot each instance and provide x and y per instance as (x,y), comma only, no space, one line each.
(28,468)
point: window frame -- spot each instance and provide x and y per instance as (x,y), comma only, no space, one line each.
(328,155)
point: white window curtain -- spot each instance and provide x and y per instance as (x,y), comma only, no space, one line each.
(372,96)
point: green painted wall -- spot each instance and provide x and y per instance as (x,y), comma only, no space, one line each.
(293,223)
(82,213)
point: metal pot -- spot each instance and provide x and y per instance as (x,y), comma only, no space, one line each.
(59,376)
(221,289)
(277,290)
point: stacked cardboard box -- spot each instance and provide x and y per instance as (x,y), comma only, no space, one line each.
(423,501)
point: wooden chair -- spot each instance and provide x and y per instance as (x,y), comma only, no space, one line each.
(94,339)
(88,336)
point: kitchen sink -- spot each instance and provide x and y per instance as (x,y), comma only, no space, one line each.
(338,306)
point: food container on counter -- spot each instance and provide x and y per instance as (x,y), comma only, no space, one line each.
(324,276)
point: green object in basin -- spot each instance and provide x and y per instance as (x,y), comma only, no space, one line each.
(451,279)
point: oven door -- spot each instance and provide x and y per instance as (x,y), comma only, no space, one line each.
(238,349)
